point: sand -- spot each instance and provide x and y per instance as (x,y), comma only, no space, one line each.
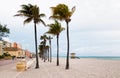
(79,68)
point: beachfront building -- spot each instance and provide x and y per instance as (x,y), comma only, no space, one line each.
(15,50)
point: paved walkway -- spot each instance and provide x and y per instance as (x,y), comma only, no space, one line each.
(8,68)
(6,62)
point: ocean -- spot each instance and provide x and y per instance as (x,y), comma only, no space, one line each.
(102,57)
(98,57)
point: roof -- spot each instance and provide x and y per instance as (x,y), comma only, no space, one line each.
(11,49)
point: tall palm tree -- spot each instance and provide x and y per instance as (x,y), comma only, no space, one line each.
(56,29)
(31,12)
(62,12)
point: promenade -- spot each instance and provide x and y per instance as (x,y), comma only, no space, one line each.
(8,68)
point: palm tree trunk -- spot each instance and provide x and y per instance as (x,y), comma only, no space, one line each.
(50,51)
(44,55)
(37,62)
(57,50)
(67,60)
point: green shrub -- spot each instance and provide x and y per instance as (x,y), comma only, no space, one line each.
(1,56)
(6,54)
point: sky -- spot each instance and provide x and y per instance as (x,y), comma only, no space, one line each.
(94,28)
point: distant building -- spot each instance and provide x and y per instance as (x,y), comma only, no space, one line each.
(1,47)
(28,54)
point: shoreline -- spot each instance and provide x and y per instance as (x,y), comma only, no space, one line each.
(94,57)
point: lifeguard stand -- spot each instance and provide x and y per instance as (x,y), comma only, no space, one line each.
(73,55)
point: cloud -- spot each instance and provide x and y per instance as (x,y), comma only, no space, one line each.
(94,28)
(6,39)
(109,50)
(97,14)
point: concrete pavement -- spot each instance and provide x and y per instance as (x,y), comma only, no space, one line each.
(8,69)
(6,62)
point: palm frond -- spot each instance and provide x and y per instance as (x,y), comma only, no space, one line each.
(19,15)
(56,18)
(72,11)
(61,12)
(28,20)
(42,15)
(41,21)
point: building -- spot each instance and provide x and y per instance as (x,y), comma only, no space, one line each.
(1,47)
(4,44)
(15,50)
(28,54)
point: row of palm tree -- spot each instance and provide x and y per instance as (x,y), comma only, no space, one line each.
(60,12)
(54,29)
(44,51)
(45,47)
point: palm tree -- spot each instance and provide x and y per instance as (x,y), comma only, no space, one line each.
(4,31)
(56,29)
(31,12)
(62,12)
(41,50)
(44,38)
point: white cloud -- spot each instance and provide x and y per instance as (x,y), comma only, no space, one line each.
(115,34)
(6,39)
(97,14)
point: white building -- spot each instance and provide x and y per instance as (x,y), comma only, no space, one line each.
(4,44)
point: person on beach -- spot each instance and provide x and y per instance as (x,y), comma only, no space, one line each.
(13,57)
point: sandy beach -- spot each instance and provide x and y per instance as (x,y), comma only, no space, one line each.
(79,68)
